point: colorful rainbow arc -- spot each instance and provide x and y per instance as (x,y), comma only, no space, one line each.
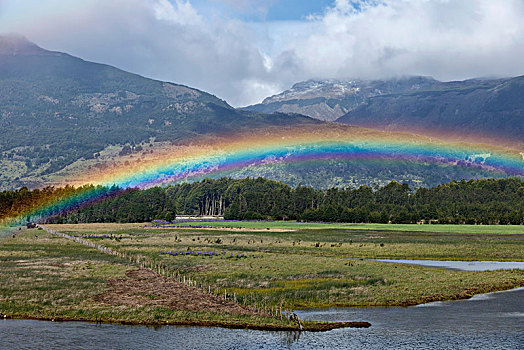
(168,169)
(169,166)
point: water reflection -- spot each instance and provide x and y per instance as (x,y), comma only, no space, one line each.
(289,338)
(493,321)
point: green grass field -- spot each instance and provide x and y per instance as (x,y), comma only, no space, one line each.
(338,242)
(44,276)
(310,267)
(491,229)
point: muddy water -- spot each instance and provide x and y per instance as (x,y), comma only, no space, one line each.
(488,321)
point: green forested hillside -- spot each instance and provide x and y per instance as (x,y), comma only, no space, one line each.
(56,109)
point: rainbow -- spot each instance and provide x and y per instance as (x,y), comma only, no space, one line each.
(175,164)
(172,164)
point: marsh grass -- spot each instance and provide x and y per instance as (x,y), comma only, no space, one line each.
(310,267)
(44,276)
(290,225)
(322,242)
(479,229)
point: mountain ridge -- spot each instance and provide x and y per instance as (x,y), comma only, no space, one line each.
(479,109)
(57,108)
(329,99)
(14,45)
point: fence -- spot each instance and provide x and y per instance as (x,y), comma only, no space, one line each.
(145,262)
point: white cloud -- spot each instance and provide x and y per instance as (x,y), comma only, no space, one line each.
(183,14)
(450,39)
(244,62)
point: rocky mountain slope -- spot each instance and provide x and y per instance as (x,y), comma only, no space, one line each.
(330,99)
(488,110)
(480,109)
(56,109)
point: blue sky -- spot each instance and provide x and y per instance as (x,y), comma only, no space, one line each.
(264,10)
(296,9)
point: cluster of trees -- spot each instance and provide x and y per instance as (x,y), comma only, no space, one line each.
(87,204)
(129,205)
(40,201)
(485,201)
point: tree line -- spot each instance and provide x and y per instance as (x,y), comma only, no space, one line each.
(485,201)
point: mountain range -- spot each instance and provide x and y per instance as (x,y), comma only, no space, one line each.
(60,115)
(329,100)
(56,109)
(476,109)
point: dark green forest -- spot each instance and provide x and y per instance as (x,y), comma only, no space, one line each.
(485,201)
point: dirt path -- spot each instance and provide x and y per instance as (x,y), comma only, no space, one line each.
(144,286)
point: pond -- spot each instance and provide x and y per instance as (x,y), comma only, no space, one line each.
(460,265)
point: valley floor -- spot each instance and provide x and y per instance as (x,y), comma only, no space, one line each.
(241,278)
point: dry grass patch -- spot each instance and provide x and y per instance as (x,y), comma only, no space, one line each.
(143,287)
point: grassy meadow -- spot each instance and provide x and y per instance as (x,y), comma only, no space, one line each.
(294,267)
(291,225)
(44,276)
(287,266)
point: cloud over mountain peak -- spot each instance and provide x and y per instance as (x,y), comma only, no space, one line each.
(244,61)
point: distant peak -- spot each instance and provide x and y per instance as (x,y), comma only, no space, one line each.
(15,44)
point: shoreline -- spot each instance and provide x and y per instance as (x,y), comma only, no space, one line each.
(307,326)
(465,295)
(461,265)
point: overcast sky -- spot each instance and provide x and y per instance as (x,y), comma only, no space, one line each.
(245,50)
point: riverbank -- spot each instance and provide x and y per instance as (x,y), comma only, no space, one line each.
(307,326)
(488,321)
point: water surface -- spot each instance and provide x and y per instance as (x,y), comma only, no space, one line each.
(488,321)
(461,265)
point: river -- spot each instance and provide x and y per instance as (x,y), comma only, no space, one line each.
(486,321)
